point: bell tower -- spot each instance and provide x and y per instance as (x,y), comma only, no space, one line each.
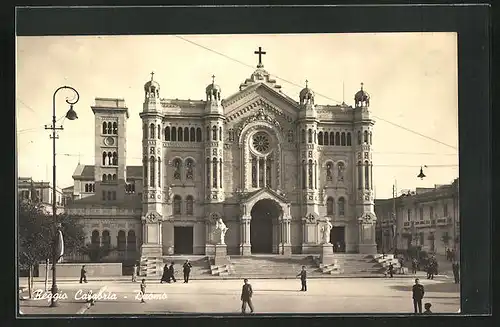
(365,212)
(110,116)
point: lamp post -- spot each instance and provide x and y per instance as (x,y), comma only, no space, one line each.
(71,115)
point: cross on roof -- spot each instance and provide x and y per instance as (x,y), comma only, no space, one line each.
(362,85)
(213,79)
(152,73)
(307,82)
(260,53)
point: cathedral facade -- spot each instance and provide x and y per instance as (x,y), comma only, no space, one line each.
(273,168)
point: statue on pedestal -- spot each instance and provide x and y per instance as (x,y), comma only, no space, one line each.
(326,229)
(222,228)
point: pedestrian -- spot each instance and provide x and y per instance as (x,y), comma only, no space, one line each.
(456,271)
(414,266)
(246,296)
(186,268)
(171,273)
(427,307)
(143,290)
(134,273)
(90,298)
(391,270)
(164,276)
(417,295)
(83,274)
(303,279)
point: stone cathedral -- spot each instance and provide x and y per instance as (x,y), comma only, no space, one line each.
(273,167)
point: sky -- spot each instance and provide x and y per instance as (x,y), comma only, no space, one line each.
(412,79)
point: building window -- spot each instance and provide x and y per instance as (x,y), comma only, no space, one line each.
(309,136)
(177,205)
(192,135)
(173,134)
(341,205)
(320,138)
(208,172)
(254,172)
(408,215)
(340,171)
(360,175)
(421,212)
(329,206)
(431,212)
(177,169)
(342,139)
(337,138)
(366,137)
(95,238)
(179,134)
(261,172)
(167,133)
(198,134)
(121,241)
(310,174)
(106,239)
(131,241)
(268,172)
(189,169)
(367,176)
(303,136)
(332,138)
(214,170)
(151,131)
(329,174)
(152,174)
(325,138)
(445,210)
(220,133)
(214,133)
(115,128)
(349,140)
(104,127)
(159,132)
(189,205)
(186,134)
(230,135)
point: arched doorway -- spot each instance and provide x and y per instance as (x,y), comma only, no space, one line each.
(264,214)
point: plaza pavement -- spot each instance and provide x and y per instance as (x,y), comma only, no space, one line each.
(342,295)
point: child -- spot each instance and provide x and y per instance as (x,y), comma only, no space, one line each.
(427,307)
(143,290)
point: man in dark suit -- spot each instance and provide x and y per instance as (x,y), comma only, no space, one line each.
(456,271)
(303,278)
(83,275)
(186,269)
(418,295)
(171,273)
(246,297)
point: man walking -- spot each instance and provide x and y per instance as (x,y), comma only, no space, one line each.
(414,266)
(143,290)
(456,271)
(171,273)
(391,270)
(83,275)
(246,296)
(303,279)
(186,268)
(134,273)
(418,295)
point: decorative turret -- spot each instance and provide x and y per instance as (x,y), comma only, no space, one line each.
(306,101)
(361,98)
(152,88)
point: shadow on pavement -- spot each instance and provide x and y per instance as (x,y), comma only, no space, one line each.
(440,287)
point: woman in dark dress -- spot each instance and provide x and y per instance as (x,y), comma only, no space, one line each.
(165,276)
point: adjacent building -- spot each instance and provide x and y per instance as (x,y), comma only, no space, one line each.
(39,191)
(273,167)
(426,217)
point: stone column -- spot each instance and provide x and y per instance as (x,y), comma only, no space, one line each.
(286,245)
(310,239)
(152,241)
(257,171)
(245,246)
(264,172)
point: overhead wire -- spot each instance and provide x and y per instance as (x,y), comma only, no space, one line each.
(322,95)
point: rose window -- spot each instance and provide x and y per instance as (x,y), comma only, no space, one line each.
(261,142)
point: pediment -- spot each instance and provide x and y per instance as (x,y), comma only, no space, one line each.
(265,193)
(260,96)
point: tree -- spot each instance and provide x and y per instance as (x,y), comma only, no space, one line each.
(36,235)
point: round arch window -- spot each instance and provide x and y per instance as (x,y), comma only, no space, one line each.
(261,142)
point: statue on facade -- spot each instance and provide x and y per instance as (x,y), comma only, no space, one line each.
(326,229)
(222,228)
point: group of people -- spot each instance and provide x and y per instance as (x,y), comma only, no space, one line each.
(431,267)
(417,295)
(169,272)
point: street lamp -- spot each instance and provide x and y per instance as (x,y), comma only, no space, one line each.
(71,115)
